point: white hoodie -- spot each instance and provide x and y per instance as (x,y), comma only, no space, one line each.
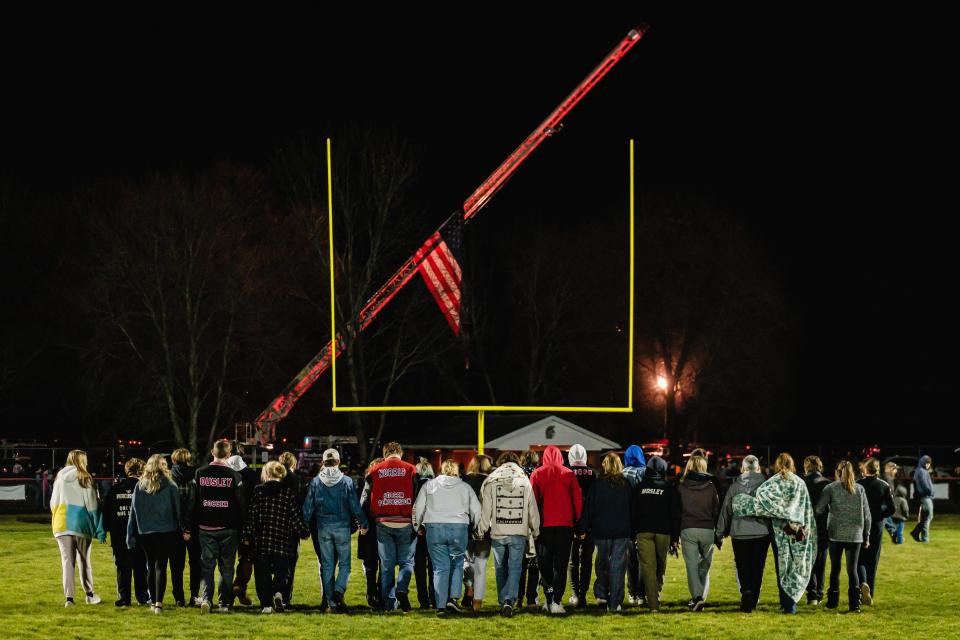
(509,508)
(446,500)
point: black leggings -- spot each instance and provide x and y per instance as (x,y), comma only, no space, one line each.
(158,547)
(852,551)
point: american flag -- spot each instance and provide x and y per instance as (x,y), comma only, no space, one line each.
(439,264)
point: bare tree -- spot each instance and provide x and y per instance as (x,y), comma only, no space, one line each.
(175,286)
(377,225)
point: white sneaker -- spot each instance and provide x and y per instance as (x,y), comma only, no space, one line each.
(204,606)
(68,604)
(94,599)
(618,609)
(546,607)
(557,609)
(573,600)
(267,610)
(157,610)
(224,609)
(278,601)
(601,602)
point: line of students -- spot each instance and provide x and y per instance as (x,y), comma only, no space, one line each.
(562,513)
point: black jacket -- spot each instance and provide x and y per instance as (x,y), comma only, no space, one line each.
(815,485)
(656,507)
(216,499)
(879,499)
(606,509)
(183,476)
(116,510)
(586,477)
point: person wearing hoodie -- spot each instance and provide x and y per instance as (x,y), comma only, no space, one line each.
(656,521)
(560,501)
(333,504)
(890,477)
(848,526)
(393,487)
(217,508)
(182,474)
(508,512)
(296,484)
(530,569)
(270,532)
(77,519)
(155,523)
(923,491)
(813,478)
(606,519)
(750,535)
(880,500)
(699,509)
(116,514)
(244,558)
(422,567)
(447,507)
(634,467)
(900,514)
(581,552)
(478,549)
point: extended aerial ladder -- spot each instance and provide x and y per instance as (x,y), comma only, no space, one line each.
(277,410)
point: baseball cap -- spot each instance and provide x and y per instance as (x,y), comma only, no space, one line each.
(331,454)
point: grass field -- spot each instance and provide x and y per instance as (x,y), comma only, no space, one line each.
(915,583)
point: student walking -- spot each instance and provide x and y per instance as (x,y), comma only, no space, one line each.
(332,501)
(656,521)
(558,496)
(448,508)
(182,473)
(271,530)
(606,519)
(848,522)
(923,491)
(131,563)
(76,521)
(508,511)
(478,549)
(634,467)
(750,535)
(900,514)
(880,501)
(155,523)
(816,483)
(530,569)
(581,552)
(699,509)
(367,545)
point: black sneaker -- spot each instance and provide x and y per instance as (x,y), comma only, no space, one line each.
(403,601)
(466,602)
(122,603)
(699,604)
(915,535)
(507,609)
(443,613)
(453,607)
(338,604)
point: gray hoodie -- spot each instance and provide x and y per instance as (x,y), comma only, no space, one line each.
(508,504)
(446,500)
(849,513)
(742,527)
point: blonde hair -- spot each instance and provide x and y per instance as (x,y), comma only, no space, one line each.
(181,456)
(392,449)
(480,464)
(872,466)
(696,464)
(153,472)
(846,476)
(288,460)
(372,464)
(613,470)
(450,467)
(273,470)
(133,467)
(784,465)
(78,459)
(812,463)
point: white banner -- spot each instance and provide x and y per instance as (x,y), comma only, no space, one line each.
(15,492)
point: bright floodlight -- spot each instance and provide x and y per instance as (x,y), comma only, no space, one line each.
(662,383)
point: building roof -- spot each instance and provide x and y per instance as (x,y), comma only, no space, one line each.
(513,432)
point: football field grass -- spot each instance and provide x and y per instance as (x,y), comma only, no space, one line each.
(915,584)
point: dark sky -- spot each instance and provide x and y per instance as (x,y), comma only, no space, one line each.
(823,131)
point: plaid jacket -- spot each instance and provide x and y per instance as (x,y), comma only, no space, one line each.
(274,521)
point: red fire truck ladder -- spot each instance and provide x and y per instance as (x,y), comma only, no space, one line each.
(278,409)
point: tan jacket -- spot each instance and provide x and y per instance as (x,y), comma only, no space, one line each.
(507,504)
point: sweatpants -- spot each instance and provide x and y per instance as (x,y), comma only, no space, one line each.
(157,547)
(553,549)
(652,549)
(750,555)
(697,547)
(581,561)
(612,558)
(72,549)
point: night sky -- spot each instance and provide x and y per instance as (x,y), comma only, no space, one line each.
(825,133)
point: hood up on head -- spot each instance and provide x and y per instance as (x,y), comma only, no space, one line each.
(552,455)
(657,466)
(633,457)
(577,456)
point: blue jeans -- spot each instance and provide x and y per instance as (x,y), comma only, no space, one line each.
(508,555)
(926,511)
(612,557)
(447,545)
(897,532)
(786,602)
(334,543)
(396,547)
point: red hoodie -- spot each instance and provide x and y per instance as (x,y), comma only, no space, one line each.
(557,491)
